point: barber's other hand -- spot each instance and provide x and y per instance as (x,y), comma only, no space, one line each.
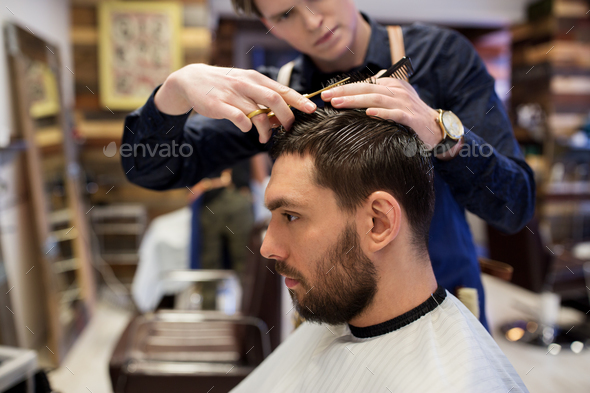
(391,99)
(230,93)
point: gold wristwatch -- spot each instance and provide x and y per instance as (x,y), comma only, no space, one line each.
(452,130)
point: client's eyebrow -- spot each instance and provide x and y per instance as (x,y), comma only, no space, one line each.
(281,202)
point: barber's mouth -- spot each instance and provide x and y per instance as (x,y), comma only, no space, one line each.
(326,37)
(291,282)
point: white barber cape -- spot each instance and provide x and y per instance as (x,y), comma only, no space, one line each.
(437,347)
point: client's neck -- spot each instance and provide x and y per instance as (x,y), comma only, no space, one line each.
(406,280)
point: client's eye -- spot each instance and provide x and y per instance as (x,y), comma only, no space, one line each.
(290,217)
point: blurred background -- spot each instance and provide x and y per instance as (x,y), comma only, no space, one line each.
(102,283)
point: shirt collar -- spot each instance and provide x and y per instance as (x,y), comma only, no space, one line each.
(378,57)
(405,319)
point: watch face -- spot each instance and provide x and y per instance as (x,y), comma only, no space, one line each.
(452,124)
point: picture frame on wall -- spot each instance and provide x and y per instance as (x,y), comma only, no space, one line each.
(43,90)
(139,46)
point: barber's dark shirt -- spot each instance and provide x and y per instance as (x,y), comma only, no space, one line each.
(498,187)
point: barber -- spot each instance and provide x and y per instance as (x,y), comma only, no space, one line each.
(477,163)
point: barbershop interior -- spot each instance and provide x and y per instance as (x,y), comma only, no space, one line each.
(137,249)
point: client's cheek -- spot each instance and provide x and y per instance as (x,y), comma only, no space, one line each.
(303,285)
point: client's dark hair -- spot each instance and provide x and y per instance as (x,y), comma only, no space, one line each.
(355,155)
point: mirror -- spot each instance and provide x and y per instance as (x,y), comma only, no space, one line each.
(61,238)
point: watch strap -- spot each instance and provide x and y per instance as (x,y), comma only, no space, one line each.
(445,145)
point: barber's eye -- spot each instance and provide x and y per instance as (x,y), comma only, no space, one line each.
(290,217)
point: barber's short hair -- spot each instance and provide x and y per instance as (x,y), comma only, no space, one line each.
(246,7)
(355,155)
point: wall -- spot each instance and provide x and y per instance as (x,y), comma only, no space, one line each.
(449,12)
(50,20)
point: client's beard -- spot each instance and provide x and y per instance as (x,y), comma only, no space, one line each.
(342,286)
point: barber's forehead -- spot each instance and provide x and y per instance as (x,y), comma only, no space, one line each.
(271,7)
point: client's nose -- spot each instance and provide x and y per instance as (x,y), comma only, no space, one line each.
(271,247)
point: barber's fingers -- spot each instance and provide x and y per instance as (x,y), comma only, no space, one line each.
(262,124)
(365,101)
(260,121)
(397,84)
(233,114)
(247,95)
(385,86)
(289,95)
(236,111)
(397,115)
(273,100)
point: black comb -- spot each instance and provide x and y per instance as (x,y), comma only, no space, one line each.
(403,70)
(354,77)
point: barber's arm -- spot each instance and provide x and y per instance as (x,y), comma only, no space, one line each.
(488,175)
(163,150)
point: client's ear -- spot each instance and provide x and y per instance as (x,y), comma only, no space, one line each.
(383,213)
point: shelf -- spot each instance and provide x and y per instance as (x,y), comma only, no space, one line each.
(70,295)
(49,136)
(9,152)
(567,191)
(129,258)
(99,129)
(533,31)
(558,52)
(64,234)
(118,229)
(119,211)
(558,8)
(15,145)
(65,265)
(190,37)
(60,216)
(569,187)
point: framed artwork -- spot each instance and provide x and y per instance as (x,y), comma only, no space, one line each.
(139,46)
(43,90)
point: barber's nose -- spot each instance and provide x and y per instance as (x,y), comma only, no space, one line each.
(271,247)
(313,19)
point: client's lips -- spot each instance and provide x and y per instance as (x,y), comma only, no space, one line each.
(291,282)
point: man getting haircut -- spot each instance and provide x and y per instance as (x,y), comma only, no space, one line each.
(351,208)
(333,37)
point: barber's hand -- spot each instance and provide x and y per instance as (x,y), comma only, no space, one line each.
(391,99)
(230,93)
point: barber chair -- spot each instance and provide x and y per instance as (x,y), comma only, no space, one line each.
(198,350)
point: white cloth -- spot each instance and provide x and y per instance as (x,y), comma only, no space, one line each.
(164,247)
(446,350)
